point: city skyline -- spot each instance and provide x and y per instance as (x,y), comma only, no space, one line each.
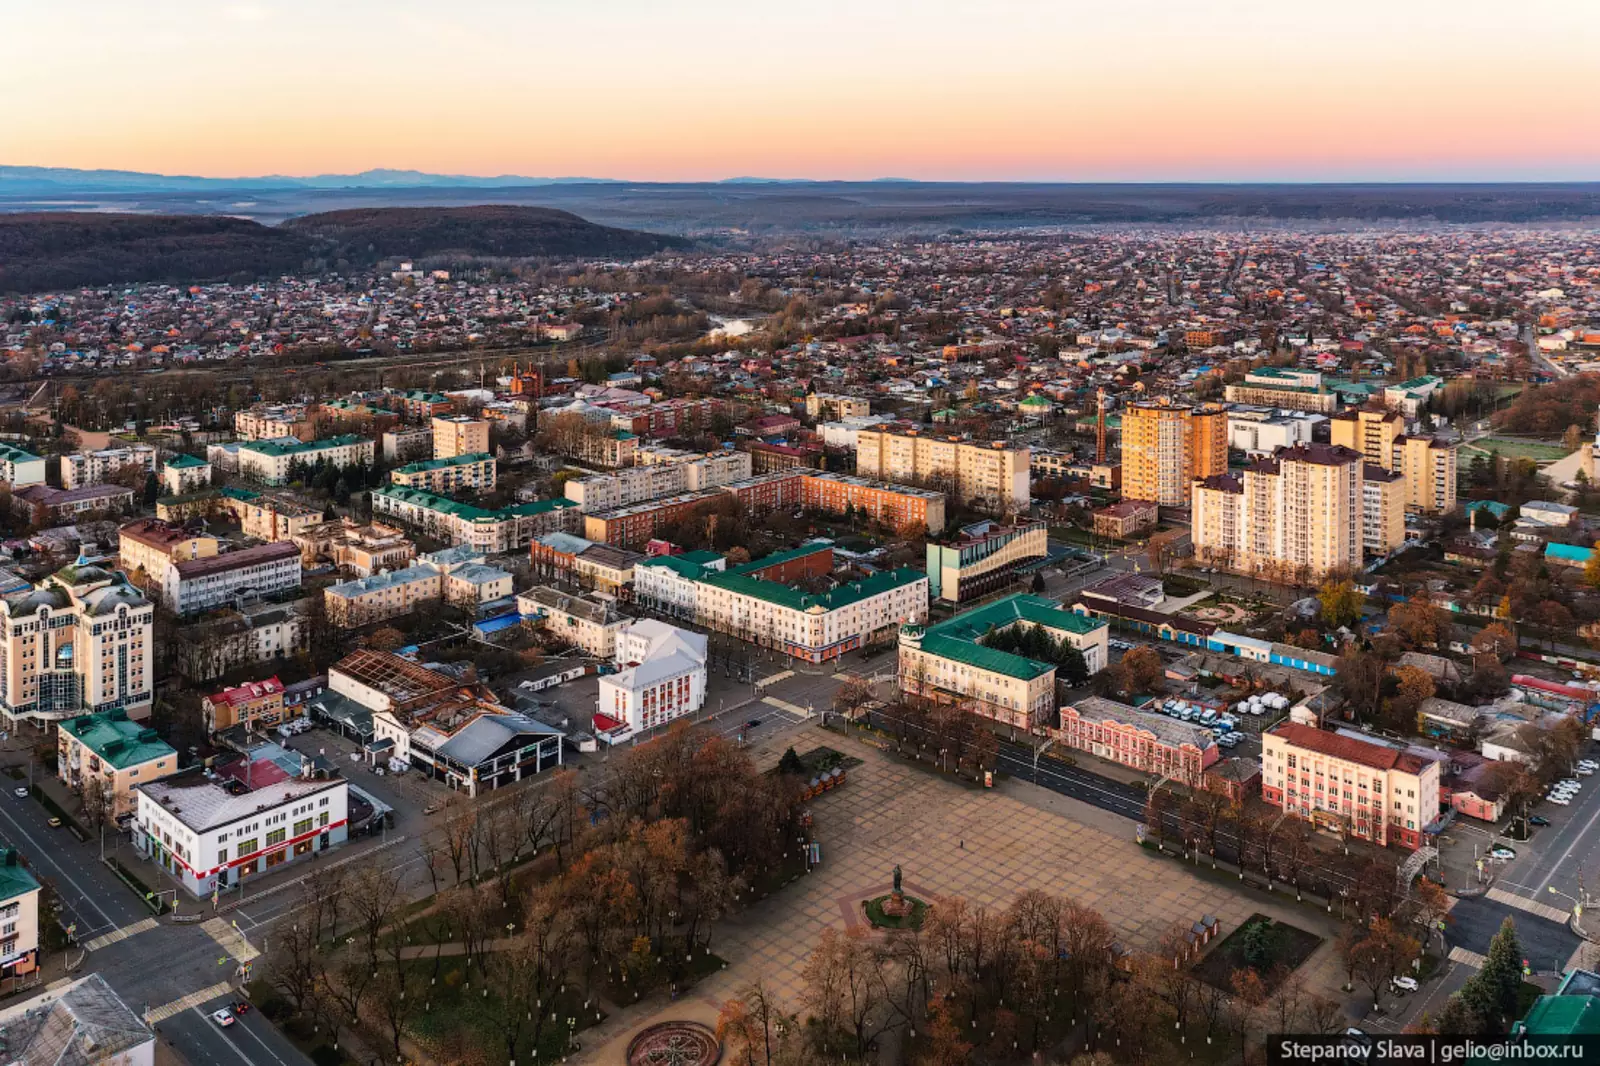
(951,90)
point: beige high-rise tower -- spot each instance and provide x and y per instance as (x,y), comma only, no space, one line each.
(1296,516)
(1165,448)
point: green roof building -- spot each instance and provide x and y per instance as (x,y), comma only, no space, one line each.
(119,753)
(948,663)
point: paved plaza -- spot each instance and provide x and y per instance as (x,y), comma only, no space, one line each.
(949,839)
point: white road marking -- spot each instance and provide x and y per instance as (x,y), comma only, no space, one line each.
(192,1000)
(1511,899)
(232,941)
(120,934)
(773,679)
(773,701)
(1467,958)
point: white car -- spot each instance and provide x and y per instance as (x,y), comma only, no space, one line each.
(21,792)
(1560,801)
(222,1017)
(1584,771)
(1404,984)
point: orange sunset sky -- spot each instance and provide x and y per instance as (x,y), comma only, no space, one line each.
(848,89)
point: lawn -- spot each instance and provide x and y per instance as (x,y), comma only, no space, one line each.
(1278,952)
(1511,449)
(911,919)
(460,1006)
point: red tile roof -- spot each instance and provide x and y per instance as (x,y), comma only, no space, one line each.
(1339,746)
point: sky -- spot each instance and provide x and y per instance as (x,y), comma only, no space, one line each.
(688,90)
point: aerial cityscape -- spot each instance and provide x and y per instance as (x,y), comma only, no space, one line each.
(511,558)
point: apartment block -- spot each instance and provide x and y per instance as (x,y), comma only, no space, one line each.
(119,753)
(271,460)
(46,506)
(80,640)
(199,585)
(1372,433)
(1429,466)
(256,705)
(489,531)
(1343,783)
(148,547)
(993,473)
(584,621)
(185,473)
(19,469)
(631,527)
(471,472)
(455,435)
(898,506)
(1165,447)
(831,407)
(667,418)
(770,492)
(1383,510)
(19,944)
(983,558)
(1293,390)
(270,421)
(81,469)
(1296,516)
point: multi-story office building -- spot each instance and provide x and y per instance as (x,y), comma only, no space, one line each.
(271,460)
(1429,466)
(1262,431)
(1297,516)
(1147,742)
(947,663)
(118,753)
(992,473)
(196,585)
(1165,447)
(489,531)
(472,472)
(185,473)
(19,469)
(80,641)
(1373,791)
(81,469)
(211,833)
(455,435)
(1383,509)
(661,677)
(983,558)
(1293,390)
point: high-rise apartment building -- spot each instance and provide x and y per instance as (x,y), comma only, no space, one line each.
(1372,433)
(1297,515)
(455,435)
(1429,466)
(1383,509)
(993,473)
(1165,448)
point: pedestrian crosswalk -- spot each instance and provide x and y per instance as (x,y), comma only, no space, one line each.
(232,941)
(1466,958)
(123,933)
(783,705)
(1532,906)
(193,999)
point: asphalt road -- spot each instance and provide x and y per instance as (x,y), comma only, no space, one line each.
(251,1040)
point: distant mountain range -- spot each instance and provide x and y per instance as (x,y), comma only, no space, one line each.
(39,181)
(42,251)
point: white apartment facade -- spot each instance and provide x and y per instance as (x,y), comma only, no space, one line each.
(82,469)
(196,585)
(991,472)
(270,460)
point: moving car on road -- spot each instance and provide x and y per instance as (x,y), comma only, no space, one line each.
(222,1017)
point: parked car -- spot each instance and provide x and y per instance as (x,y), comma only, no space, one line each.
(53,822)
(1403,984)
(1560,801)
(21,792)
(1538,820)
(1502,853)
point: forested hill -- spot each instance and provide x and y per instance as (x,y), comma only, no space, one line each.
(491,230)
(61,250)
